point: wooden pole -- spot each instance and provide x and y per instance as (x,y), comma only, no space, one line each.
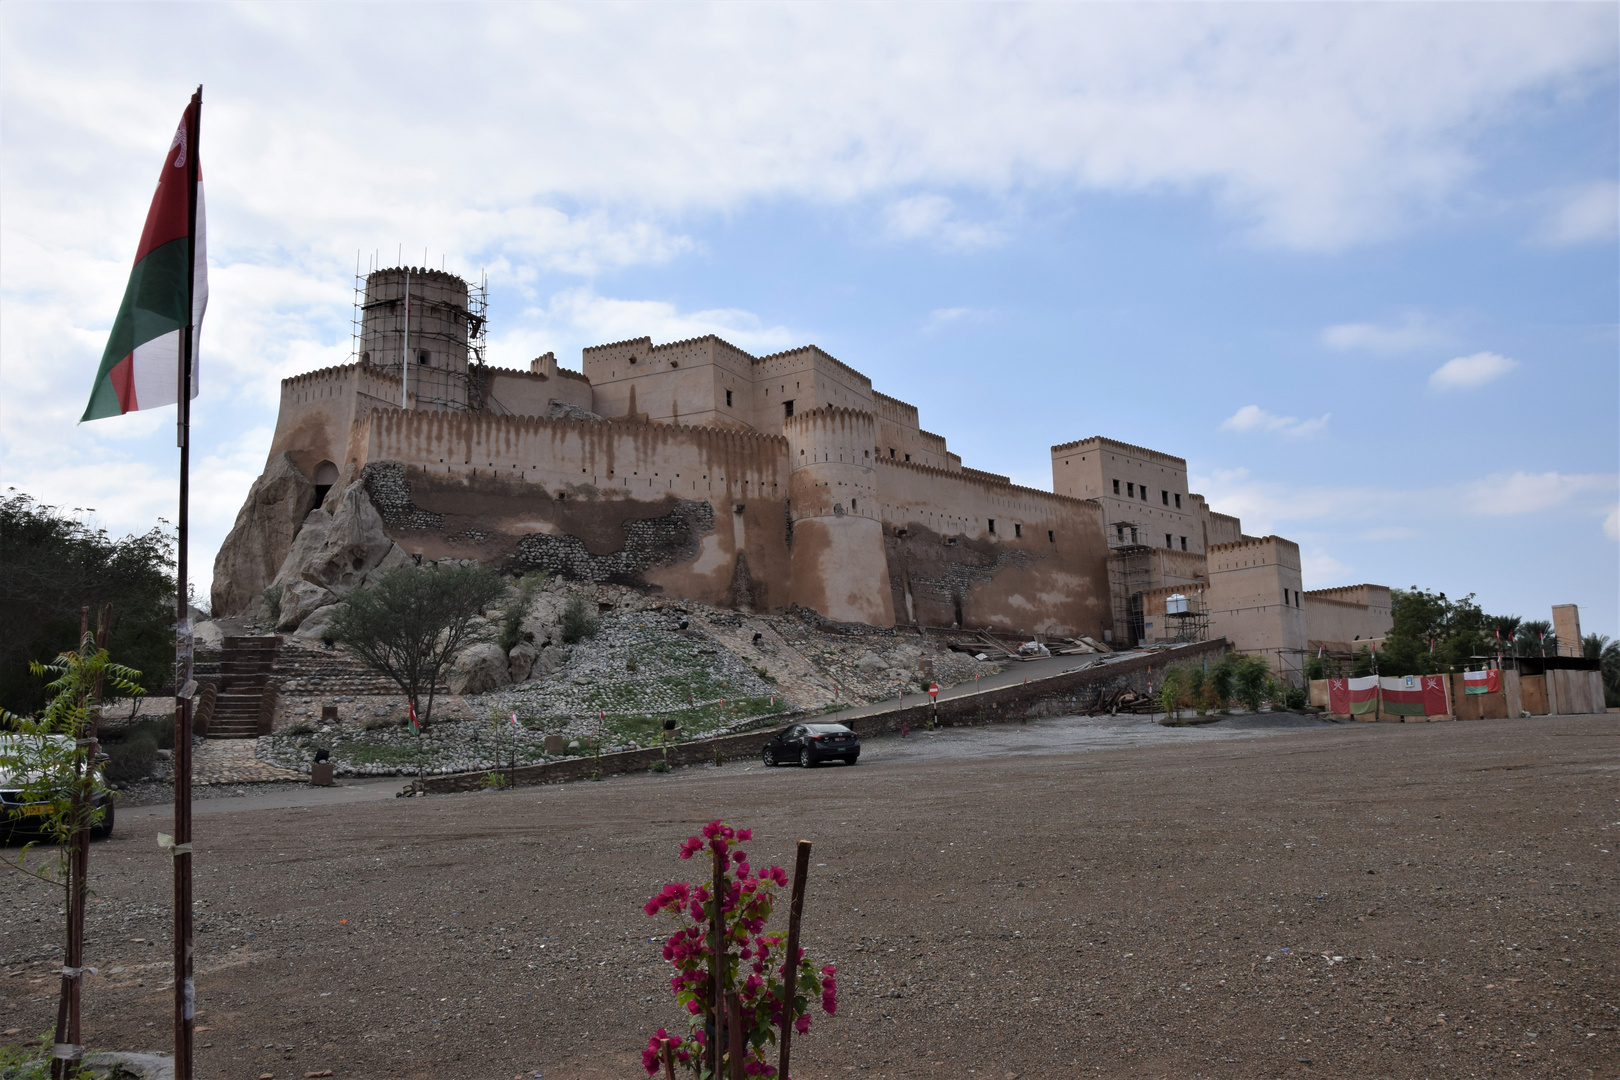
(734,1023)
(717,962)
(669,1060)
(790,972)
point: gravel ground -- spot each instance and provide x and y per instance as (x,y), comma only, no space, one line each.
(1240,900)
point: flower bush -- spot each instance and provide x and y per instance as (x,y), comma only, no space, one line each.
(754,961)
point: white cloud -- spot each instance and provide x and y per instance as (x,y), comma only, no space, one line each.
(1321,570)
(584,316)
(1588,214)
(1254,418)
(1413,332)
(1529,493)
(1467,372)
(934,218)
(942,317)
(1611,524)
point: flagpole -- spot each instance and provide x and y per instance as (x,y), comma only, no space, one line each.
(184,686)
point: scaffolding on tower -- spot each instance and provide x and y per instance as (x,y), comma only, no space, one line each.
(1130,573)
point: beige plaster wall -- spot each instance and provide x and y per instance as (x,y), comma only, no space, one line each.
(1566,620)
(1152,488)
(1247,580)
(1348,614)
(1043,569)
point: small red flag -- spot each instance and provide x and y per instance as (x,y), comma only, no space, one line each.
(416,728)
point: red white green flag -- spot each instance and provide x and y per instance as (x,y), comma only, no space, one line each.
(1483,682)
(140,368)
(1402,695)
(1353,697)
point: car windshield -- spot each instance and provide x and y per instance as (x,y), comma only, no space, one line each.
(828,729)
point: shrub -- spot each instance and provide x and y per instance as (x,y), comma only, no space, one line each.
(272,600)
(495,781)
(380,723)
(577,622)
(300,729)
(1296,698)
(753,960)
(659,766)
(131,759)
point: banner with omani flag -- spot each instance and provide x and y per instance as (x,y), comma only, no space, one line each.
(1352,697)
(1402,695)
(1435,700)
(1483,682)
(140,368)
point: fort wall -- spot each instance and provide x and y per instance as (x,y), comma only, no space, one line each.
(970,550)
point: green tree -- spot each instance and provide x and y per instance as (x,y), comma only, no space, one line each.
(51,566)
(413,623)
(1431,633)
(47,758)
(1610,661)
(1536,639)
(1592,646)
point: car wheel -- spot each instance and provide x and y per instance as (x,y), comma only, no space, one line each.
(768,756)
(805,760)
(104,829)
(851,760)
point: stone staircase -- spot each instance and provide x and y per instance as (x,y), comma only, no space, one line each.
(246,700)
(330,673)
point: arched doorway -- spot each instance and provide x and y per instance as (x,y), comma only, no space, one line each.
(326,474)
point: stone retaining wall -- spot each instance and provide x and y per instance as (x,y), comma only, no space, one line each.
(1068,694)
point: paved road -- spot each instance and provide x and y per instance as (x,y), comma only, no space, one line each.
(1012,675)
(276,797)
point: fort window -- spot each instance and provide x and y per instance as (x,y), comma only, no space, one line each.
(787,409)
(632,360)
(1018,529)
(1130,489)
(1116,487)
(728,399)
(1165,495)
(1183,543)
(992,525)
(674,363)
(1178,502)
(422,357)
(1167,542)
(1051,537)
(908,457)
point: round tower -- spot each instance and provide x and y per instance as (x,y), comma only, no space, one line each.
(838,563)
(438,332)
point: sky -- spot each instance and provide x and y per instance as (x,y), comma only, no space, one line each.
(1358,264)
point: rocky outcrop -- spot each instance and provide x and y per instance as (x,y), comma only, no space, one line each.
(333,554)
(276,505)
(520,661)
(480,668)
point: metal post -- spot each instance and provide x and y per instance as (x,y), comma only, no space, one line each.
(184,988)
(405,352)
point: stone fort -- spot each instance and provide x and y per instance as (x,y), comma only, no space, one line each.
(758,483)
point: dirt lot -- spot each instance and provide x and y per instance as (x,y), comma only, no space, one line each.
(1050,906)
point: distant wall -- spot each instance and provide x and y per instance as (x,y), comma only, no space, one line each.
(1255,601)
(1349,614)
(1042,569)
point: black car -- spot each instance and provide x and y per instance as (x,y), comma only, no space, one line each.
(20,819)
(811,744)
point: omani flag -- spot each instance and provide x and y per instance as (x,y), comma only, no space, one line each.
(140,368)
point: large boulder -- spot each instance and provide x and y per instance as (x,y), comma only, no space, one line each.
(480,668)
(551,658)
(208,635)
(300,600)
(520,661)
(276,505)
(333,554)
(871,664)
(318,623)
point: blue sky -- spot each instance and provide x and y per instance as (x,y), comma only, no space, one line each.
(1357,264)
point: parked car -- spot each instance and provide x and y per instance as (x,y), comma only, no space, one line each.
(811,744)
(20,819)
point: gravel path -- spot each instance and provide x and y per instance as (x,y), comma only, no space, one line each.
(1369,900)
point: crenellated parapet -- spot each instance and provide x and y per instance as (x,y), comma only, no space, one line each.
(830,461)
